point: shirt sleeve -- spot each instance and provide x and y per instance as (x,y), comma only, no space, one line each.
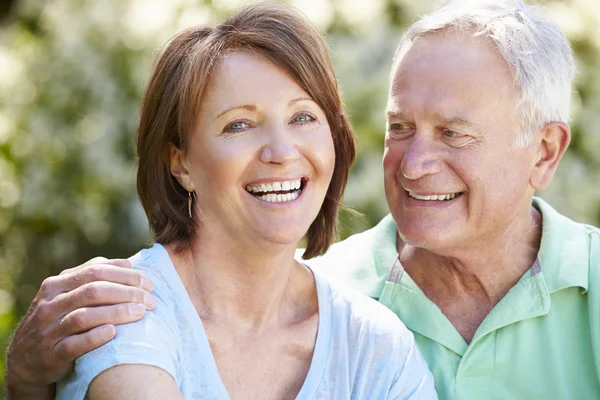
(413,380)
(153,340)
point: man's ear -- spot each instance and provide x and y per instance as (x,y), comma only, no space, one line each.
(552,141)
(179,170)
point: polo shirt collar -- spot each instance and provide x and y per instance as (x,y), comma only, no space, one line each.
(384,249)
(564,264)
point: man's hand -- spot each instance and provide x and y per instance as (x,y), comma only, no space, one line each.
(72,313)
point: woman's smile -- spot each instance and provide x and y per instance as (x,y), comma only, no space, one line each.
(280,191)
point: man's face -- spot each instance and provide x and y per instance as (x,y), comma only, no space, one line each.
(453,177)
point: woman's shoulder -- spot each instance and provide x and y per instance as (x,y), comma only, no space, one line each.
(155,263)
(369,328)
(358,309)
(372,348)
(152,260)
(154,340)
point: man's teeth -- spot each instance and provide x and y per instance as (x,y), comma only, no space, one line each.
(437,197)
(274,186)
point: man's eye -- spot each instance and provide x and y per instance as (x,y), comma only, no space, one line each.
(399,131)
(451,134)
(398,127)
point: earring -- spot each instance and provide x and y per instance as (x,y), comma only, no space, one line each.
(190,204)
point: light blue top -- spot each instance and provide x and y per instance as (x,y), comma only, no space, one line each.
(362,350)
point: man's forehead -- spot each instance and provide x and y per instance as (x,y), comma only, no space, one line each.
(450,75)
(436,50)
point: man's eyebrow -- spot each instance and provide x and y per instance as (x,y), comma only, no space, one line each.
(395,113)
(458,122)
(453,120)
(248,107)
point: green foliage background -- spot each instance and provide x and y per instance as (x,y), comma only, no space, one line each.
(71,75)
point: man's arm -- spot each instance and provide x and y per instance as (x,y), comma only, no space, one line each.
(149,383)
(72,313)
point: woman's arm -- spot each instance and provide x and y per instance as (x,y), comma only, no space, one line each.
(132,382)
(152,341)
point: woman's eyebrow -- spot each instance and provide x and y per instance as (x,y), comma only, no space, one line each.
(248,107)
(294,101)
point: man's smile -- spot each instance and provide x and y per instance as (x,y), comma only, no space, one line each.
(434,197)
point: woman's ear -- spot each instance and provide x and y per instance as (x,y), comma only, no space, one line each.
(179,170)
(552,141)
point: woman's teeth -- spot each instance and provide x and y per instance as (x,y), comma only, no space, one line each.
(274,186)
(276,192)
(280,198)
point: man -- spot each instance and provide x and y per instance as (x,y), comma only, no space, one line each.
(501,291)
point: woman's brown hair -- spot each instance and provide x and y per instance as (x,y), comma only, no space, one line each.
(172,100)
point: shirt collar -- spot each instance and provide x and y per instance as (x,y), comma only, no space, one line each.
(564,250)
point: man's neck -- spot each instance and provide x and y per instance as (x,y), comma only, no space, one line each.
(467,283)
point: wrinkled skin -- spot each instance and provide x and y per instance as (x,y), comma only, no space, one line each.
(72,313)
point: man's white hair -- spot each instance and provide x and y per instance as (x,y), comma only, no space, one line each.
(537,52)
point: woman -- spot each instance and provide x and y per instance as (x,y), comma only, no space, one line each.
(244,149)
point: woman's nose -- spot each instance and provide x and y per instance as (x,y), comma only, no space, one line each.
(280,147)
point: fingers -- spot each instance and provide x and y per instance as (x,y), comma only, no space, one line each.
(74,346)
(85,319)
(117,262)
(101,293)
(102,272)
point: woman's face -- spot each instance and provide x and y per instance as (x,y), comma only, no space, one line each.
(261,157)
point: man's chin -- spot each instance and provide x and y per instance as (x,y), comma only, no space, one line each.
(427,236)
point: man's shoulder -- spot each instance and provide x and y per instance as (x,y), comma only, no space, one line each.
(561,225)
(568,250)
(362,261)
(594,279)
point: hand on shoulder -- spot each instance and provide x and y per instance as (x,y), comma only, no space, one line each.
(72,313)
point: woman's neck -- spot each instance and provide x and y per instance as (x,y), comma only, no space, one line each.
(248,288)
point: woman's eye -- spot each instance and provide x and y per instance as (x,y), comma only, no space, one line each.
(304,118)
(236,126)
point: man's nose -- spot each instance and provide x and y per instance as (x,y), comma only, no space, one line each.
(280,146)
(421,158)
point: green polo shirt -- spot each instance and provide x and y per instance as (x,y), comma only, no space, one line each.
(541,341)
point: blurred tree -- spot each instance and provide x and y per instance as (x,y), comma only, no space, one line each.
(6,8)
(71,75)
